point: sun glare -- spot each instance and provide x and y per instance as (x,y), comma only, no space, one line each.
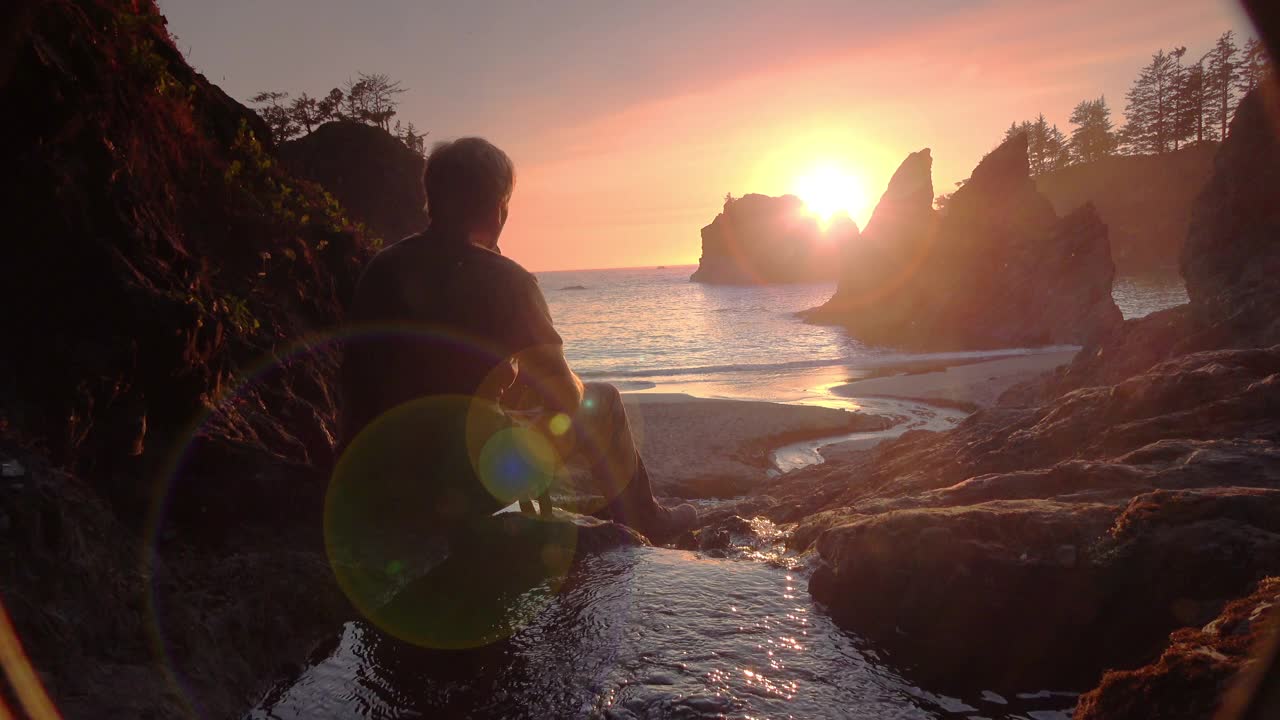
(828,190)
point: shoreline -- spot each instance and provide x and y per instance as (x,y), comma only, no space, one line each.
(700,447)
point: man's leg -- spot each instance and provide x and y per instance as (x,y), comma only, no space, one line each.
(603,435)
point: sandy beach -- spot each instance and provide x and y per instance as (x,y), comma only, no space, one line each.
(699,447)
(974,384)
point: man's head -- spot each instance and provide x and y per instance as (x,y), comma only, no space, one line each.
(469,183)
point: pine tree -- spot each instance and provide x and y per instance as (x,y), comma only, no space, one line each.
(1222,75)
(1254,66)
(1059,149)
(1150,108)
(1191,116)
(1179,129)
(1093,137)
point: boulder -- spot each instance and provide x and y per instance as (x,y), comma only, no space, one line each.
(759,240)
(1055,589)
(375,176)
(997,268)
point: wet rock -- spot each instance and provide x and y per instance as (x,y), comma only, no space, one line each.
(759,240)
(998,268)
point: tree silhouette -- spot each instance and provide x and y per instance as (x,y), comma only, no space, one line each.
(1047,148)
(371,98)
(304,111)
(1191,106)
(1093,137)
(1150,107)
(273,111)
(380,98)
(1254,66)
(1223,73)
(329,107)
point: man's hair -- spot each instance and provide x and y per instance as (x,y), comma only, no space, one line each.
(466,179)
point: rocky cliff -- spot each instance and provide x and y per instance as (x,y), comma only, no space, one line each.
(759,240)
(1144,200)
(998,268)
(376,178)
(163,428)
(1073,528)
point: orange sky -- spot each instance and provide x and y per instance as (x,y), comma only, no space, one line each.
(627,132)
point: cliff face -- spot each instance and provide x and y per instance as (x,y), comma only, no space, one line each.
(169,430)
(997,269)
(376,178)
(1144,200)
(1231,260)
(760,240)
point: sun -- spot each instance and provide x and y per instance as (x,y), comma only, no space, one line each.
(828,190)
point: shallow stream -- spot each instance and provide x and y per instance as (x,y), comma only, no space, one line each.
(910,415)
(640,633)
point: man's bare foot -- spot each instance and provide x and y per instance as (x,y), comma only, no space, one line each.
(670,523)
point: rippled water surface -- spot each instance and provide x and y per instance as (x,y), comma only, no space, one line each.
(1139,296)
(641,633)
(644,326)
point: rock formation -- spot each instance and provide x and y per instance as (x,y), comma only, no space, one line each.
(1073,528)
(1144,200)
(998,268)
(760,240)
(376,178)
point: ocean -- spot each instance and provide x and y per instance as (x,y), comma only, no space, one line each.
(651,330)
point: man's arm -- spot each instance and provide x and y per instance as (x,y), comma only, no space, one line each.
(543,376)
(545,372)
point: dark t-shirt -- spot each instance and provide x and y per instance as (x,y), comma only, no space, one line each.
(436,316)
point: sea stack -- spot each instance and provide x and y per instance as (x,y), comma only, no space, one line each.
(996,268)
(762,240)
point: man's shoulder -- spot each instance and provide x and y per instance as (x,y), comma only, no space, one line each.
(498,265)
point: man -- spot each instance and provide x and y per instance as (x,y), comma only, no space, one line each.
(447,316)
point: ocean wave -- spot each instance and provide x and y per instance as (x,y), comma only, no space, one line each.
(854,363)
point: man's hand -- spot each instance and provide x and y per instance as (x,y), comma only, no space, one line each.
(543,373)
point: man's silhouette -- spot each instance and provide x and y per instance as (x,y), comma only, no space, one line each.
(446,314)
